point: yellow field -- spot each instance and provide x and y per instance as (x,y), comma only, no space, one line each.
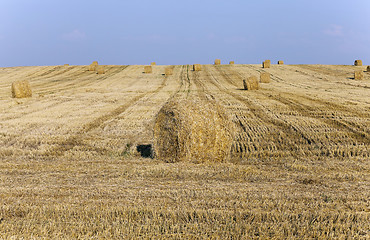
(299,164)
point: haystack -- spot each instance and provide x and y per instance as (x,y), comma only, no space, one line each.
(66,65)
(197,67)
(100,69)
(231,62)
(266,64)
(153,63)
(93,66)
(251,83)
(168,71)
(359,75)
(265,77)
(148,69)
(217,62)
(194,131)
(358,63)
(280,62)
(21,89)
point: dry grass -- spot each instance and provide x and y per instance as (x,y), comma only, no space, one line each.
(299,165)
(192,130)
(358,62)
(21,89)
(265,77)
(251,83)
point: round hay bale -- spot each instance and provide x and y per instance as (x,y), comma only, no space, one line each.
(218,62)
(193,131)
(231,62)
(197,67)
(358,62)
(100,69)
(368,69)
(21,89)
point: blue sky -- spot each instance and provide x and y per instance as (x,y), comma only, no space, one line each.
(53,32)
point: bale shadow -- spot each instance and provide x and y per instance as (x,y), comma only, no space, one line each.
(145,150)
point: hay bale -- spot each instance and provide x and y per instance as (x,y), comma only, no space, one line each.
(153,63)
(21,89)
(266,64)
(217,62)
(265,77)
(280,62)
(358,63)
(359,75)
(148,69)
(368,68)
(92,67)
(66,65)
(197,67)
(231,62)
(95,62)
(194,131)
(168,71)
(100,69)
(251,83)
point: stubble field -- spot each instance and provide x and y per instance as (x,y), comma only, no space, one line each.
(299,164)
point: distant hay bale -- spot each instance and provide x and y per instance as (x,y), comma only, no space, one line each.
(251,83)
(21,89)
(217,62)
(95,62)
(100,69)
(194,131)
(231,62)
(197,67)
(153,63)
(359,75)
(66,65)
(265,77)
(358,63)
(148,69)
(266,64)
(280,62)
(168,71)
(92,67)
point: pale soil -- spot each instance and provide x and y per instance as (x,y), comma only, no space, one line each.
(299,165)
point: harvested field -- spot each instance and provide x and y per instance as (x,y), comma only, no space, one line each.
(75,157)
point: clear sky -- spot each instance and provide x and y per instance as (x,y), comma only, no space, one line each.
(54,32)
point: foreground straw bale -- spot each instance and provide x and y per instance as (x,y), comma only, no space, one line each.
(197,67)
(358,63)
(266,64)
(148,69)
(265,77)
(193,131)
(251,83)
(280,62)
(100,70)
(231,62)
(218,62)
(21,89)
(359,75)
(168,71)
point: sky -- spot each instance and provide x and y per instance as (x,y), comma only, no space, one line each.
(169,32)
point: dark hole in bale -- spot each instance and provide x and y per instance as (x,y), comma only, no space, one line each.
(145,150)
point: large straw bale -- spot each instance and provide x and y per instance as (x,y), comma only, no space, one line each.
(359,75)
(21,89)
(231,62)
(100,69)
(264,77)
(148,69)
(168,71)
(368,68)
(194,131)
(197,67)
(92,67)
(251,83)
(266,64)
(153,63)
(358,63)
(280,62)
(217,61)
